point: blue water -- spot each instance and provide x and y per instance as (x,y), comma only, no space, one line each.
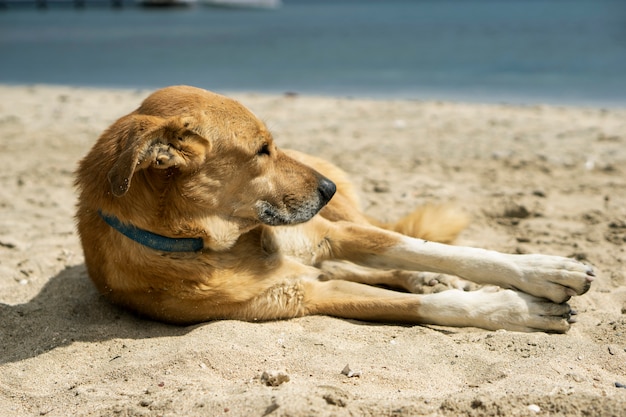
(554,51)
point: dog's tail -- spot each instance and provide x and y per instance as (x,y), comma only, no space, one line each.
(437,223)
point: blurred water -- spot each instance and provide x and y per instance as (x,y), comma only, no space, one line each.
(555,51)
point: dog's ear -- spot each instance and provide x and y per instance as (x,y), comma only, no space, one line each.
(149,141)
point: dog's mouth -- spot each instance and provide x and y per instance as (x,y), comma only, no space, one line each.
(286,214)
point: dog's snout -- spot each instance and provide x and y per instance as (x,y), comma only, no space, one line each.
(326,189)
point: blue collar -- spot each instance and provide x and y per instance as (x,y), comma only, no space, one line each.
(152,240)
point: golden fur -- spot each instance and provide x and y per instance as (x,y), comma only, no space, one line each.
(277,242)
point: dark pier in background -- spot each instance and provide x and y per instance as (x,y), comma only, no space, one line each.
(80,4)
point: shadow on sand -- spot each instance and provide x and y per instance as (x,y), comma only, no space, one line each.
(69,309)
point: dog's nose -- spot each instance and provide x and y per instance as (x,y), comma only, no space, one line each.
(327,189)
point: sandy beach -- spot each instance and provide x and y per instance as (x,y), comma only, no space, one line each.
(534,179)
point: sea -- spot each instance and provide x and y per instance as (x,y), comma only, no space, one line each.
(505,51)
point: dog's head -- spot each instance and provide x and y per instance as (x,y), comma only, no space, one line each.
(187,153)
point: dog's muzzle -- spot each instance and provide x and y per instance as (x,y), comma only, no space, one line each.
(273,215)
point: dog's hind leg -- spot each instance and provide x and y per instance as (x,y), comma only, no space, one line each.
(488,308)
(411,281)
(297,292)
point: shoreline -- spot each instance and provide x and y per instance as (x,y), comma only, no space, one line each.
(534,179)
(416,94)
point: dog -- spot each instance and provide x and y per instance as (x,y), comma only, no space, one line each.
(189,212)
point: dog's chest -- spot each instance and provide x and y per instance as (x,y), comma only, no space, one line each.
(300,243)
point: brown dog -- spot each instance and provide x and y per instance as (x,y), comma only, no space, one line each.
(189,212)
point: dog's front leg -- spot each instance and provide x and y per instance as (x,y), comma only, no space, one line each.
(416,282)
(488,308)
(551,277)
(297,291)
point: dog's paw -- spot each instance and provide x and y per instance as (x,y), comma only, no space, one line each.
(429,283)
(518,311)
(551,277)
(494,308)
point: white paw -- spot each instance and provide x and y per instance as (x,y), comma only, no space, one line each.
(493,308)
(429,282)
(517,311)
(551,277)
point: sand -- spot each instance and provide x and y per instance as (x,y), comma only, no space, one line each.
(533,178)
